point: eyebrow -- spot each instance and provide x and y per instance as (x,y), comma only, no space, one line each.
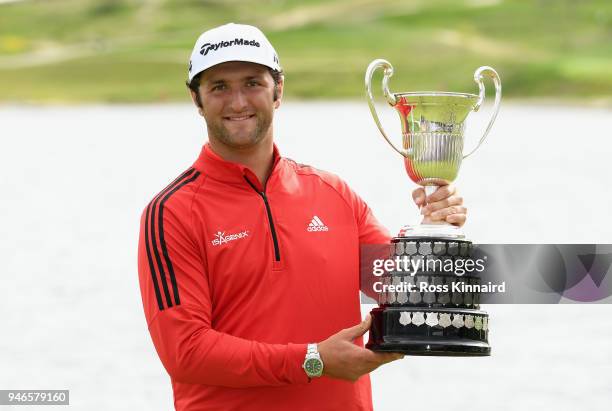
(247,78)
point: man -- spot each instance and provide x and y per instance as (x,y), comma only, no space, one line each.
(248,259)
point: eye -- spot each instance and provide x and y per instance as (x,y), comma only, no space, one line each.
(218,87)
(252,83)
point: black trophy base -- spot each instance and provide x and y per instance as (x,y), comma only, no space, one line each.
(389,334)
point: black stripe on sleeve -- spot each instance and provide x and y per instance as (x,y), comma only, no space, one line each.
(162,240)
(160,302)
(150,233)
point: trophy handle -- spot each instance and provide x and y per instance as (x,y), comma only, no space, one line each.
(391,99)
(478,76)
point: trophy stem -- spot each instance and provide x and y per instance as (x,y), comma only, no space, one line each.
(429,228)
(429,190)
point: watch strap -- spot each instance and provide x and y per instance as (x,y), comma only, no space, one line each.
(312,349)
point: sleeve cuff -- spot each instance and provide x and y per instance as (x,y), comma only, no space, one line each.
(296,356)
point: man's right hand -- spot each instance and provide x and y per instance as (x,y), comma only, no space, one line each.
(344,360)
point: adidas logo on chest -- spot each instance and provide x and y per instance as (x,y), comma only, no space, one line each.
(316,225)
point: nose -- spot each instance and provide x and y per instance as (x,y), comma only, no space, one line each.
(239,101)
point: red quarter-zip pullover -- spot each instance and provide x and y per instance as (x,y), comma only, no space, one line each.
(237,279)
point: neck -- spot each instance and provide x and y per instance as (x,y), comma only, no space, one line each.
(258,158)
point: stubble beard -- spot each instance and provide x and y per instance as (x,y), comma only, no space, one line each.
(219,132)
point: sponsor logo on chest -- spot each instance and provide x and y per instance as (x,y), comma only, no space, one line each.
(316,225)
(221,238)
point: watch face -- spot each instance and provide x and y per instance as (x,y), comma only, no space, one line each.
(313,366)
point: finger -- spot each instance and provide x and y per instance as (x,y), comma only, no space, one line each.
(379,358)
(441,193)
(456,219)
(445,212)
(391,356)
(418,195)
(438,205)
(359,329)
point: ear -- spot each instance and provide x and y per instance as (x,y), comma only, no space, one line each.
(279,92)
(194,98)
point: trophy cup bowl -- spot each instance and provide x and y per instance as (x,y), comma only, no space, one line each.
(431,322)
(433,125)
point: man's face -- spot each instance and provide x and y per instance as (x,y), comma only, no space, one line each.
(238,103)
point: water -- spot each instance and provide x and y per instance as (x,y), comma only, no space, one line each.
(75,180)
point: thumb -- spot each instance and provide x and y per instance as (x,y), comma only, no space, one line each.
(359,329)
(418,196)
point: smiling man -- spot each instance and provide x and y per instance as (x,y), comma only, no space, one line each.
(249,262)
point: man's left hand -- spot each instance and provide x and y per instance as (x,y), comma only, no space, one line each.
(445,204)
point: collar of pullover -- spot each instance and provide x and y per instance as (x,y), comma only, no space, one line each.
(211,164)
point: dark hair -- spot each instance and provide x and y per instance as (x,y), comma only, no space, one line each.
(194,84)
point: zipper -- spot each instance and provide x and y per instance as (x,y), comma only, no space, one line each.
(270,220)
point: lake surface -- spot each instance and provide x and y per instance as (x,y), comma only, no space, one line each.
(75,180)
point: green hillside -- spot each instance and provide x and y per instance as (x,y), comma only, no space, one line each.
(137,50)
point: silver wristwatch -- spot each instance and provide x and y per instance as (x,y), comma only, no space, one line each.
(313,365)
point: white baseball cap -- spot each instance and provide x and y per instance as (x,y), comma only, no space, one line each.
(231,42)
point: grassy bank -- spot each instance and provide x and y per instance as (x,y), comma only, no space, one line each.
(137,50)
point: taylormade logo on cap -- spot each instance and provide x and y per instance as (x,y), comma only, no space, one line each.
(238,42)
(232,42)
